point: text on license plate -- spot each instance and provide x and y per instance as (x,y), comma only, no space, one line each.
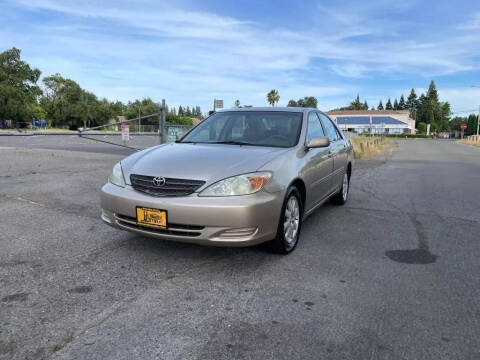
(151,217)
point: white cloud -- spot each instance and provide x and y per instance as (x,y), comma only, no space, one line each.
(127,50)
(473,24)
(464,100)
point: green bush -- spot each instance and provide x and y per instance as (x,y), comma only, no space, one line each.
(422,127)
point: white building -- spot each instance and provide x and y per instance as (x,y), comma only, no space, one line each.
(374,121)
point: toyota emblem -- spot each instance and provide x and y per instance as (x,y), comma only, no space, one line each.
(159,181)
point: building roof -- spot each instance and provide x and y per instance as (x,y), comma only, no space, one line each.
(367,112)
(365,120)
(269,108)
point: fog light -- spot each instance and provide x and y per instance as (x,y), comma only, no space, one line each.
(238,233)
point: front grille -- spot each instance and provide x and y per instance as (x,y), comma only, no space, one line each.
(172,187)
(173,229)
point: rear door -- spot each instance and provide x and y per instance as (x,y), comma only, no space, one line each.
(338,148)
(318,166)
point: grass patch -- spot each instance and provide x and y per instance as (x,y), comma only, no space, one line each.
(366,146)
(65,340)
(409,136)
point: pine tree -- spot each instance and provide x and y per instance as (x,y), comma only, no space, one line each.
(395,104)
(365,105)
(380,105)
(412,101)
(420,113)
(432,93)
(356,104)
(180,111)
(401,103)
(388,105)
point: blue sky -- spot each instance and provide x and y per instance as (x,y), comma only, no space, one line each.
(192,52)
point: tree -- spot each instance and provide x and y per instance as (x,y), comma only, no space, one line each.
(395,104)
(356,104)
(471,125)
(237,103)
(446,114)
(118,108)
(273,97)
(454,124)
(401,103)
(412,101)
(365,105)
(307,101)
(432,92)
(388,105)
(18,86)
(65,102)
(422,127)
(420,110)
(380,105)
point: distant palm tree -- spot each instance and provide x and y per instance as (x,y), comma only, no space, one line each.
(237,103)
(273,97)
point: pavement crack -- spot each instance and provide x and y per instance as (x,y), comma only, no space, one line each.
(421,235)
(19,198)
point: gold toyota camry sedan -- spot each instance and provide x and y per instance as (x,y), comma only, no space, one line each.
(241,177)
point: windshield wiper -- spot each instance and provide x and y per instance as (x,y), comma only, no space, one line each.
(231,142)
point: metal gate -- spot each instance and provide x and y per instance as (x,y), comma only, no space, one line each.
(149,130)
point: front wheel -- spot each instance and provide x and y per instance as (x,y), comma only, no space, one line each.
(289,224)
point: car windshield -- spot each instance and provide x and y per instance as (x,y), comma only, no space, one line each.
(259,128)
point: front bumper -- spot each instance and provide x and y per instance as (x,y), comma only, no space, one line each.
(223,221)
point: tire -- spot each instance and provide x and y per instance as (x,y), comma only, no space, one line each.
(341,197)
(292,212)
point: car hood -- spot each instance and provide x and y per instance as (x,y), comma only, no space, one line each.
(207,162)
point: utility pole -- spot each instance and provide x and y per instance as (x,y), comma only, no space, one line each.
(162,118)
(478,122)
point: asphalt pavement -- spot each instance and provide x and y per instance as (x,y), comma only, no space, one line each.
(394,274)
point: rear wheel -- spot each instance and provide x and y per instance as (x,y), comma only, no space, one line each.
(289,224)
(342,196)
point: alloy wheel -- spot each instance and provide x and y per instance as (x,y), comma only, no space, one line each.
(291,221)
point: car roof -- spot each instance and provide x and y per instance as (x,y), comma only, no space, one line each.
(269,108)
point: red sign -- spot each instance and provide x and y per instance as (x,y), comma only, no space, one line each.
(463,126)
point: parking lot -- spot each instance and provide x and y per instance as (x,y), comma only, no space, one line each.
(394,274)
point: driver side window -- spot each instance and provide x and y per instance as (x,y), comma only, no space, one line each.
(329,129)
(314,128)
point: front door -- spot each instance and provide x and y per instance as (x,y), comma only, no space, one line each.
(318,166)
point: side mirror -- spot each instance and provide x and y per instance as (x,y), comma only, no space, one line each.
(318,142)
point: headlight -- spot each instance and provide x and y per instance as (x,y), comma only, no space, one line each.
(238,185)
(117,176)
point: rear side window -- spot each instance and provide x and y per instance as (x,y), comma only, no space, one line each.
(314,128)
(330,128)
